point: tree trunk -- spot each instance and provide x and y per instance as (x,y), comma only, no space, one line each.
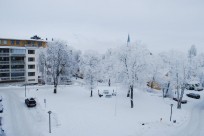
(179,104)
(91,93)
(181,97)
(131,96)
(152,82)
(128,94)
(55,88)
(151,86)
(167,90)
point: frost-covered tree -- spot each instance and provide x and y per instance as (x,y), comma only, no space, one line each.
(75,64)
(192,52)
(131,67)
(90,67)
(176,65)
(107,73)
(56,59)
(41,62)
(192,66)
(156,70)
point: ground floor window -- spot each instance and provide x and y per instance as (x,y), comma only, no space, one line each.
(31,73)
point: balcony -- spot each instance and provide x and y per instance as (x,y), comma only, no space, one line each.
(31,45)
(4,62)
(17,78)
(4,54)
(17,55)
(4,70)
(18,70)
(4,78)
(18,62)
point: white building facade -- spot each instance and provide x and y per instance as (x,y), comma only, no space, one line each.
(18,64)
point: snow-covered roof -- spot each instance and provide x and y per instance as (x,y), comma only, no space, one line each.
(41,40)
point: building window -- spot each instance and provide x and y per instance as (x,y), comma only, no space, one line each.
(28,42)
(4,74)
(31,51)
(17,74)
(33,43)
(18,51)
(17,66)
(4,50)
(5,41)
(39,44)
(31,59)
(31,66)
(17,42)
(31,79)
(12,42)
(31,73)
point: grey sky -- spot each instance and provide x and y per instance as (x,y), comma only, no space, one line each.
(102,24)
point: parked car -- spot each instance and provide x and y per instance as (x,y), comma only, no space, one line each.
(2,133)
(30,102)
(192,95)
(196,87)
(1,108)
(183,101)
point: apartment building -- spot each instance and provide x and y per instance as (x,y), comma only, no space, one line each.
(18,60)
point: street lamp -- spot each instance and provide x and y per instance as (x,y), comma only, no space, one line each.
(49,112)
(171,111)
(25,90)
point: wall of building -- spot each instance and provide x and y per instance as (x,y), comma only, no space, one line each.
(31,65)
(18,64)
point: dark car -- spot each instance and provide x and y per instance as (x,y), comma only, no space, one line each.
(2,133)
(183,101)
(192,95)
(30,102)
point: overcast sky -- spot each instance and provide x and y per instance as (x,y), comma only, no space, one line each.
(102,24)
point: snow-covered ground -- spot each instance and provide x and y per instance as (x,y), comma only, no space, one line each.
(75,113)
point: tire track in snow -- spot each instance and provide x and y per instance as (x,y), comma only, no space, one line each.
(19,120)
(194,127)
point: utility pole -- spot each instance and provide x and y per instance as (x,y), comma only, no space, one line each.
(25,90)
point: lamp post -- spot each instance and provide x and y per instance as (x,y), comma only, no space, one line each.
(25,90)
(171,111)
(49,112)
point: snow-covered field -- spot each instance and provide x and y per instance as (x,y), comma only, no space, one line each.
(75,113)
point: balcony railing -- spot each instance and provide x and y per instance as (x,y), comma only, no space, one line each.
(4,62)
(17,62)
(4,78)
(4,54)
(17,78)
(16,54)
(4,70)
(18,70)
(31,45)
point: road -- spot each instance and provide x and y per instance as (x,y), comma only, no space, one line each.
(194,127)
(18,120)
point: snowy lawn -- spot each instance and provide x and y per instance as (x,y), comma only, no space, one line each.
(75,113)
